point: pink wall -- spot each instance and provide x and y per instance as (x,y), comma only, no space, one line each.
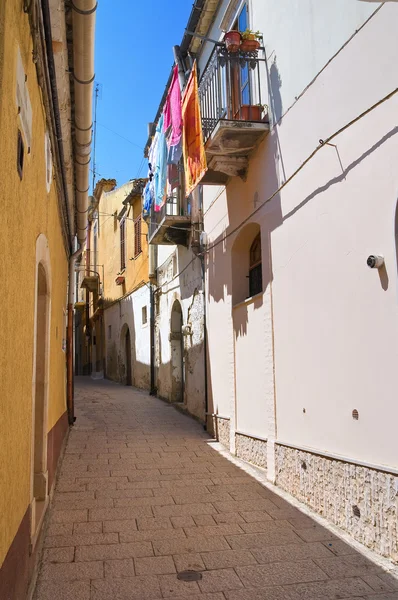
(335,320)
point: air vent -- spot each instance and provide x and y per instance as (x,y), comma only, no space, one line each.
(355,414)
(189,576)
(356,511)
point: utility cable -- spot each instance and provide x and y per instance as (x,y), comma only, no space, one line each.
(322,143)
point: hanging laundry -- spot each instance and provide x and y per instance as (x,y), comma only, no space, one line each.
(195,164)
(148,197)
(172,111)
(160,173)
(173,180)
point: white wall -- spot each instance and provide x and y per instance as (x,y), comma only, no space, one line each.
(187,290)
(129,312)
(335,320)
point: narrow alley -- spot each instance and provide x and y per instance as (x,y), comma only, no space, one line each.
(143,495)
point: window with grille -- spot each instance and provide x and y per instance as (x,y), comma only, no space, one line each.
(137,236)
(255,271)
(122,245)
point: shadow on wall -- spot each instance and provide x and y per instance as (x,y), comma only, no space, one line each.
(181,379)
(229,257)
(121,356)
(274,86)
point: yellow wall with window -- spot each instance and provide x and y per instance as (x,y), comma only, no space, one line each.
(109,251)
(27,210)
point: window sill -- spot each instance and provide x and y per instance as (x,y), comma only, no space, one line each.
(136,256)
(121,272)
(248,301)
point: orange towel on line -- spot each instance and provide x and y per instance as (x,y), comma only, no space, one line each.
(195,164)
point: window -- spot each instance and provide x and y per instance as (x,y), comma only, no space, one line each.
(109,332)
(144,315)
(20,154)
(137,236)
(123,244)
(240,75)
(255,271)
(95,233)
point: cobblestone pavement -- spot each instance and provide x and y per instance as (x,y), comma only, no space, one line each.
(143,496)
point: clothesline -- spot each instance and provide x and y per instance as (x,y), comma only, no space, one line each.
(178,134)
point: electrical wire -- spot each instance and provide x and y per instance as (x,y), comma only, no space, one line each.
(121,136)
(322,143)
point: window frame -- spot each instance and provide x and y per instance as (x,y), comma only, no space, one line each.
(255,269)
(138,235)
(246,86)
(123,244)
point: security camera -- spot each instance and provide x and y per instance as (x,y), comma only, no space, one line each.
(374,261)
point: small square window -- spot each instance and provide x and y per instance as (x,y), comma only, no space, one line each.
(20,154)
(144,315)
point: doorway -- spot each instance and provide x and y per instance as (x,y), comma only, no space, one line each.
(128,357)
(177,354)
(40,388)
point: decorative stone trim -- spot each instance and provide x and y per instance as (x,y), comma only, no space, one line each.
(220,428)
(251,449)
(361,500)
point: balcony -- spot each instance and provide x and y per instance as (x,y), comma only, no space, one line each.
(172,224)
(234,121)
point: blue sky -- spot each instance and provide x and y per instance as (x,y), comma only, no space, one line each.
(133,57)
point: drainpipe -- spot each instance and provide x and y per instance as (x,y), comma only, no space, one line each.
(202,260)
(178,62)
(88,328)
(69,356)
(83,75)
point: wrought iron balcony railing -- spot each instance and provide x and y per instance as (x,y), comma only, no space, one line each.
(171,223)
(231,88)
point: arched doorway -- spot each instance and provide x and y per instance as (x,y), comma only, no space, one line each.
(128,357)
(40,388)
(177,354)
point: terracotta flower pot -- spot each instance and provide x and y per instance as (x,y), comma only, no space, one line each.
(249,45)
(249,112)
(232,40)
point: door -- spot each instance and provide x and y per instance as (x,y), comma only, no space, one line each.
(128,358)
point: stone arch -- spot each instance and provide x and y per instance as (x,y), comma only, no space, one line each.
(241,261)
(40,384)
(177,353)
(125,364)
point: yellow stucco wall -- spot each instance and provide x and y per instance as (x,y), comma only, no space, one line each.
(27,210)
(109,243)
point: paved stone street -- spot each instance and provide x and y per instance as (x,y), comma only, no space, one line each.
(142,496)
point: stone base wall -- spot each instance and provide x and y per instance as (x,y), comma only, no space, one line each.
(251,449)
(220,428)
(333,488)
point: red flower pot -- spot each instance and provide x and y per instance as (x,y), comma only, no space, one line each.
(232,40)
(249,45)
(249,112)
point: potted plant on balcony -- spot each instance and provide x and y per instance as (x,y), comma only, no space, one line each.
(251,112)
(232,40)
(250,41)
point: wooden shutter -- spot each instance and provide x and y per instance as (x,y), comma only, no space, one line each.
(137,236)
(122,245)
